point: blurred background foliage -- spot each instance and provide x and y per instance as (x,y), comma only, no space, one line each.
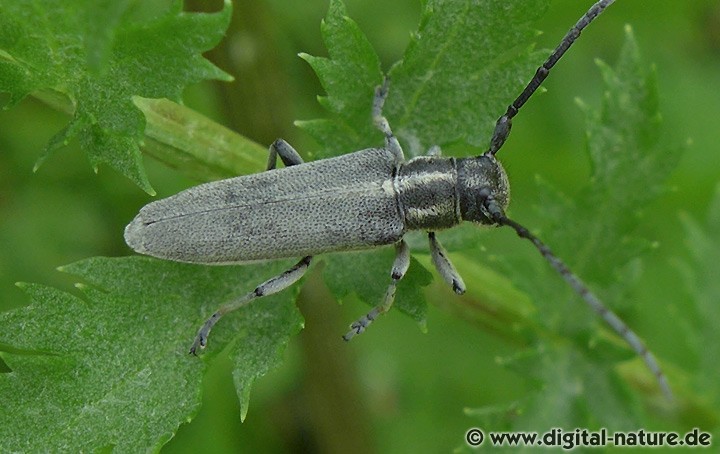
(396,389)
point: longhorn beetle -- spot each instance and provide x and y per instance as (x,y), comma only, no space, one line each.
(361,200)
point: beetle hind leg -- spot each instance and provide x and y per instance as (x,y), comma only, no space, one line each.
(400,267)
(269,287)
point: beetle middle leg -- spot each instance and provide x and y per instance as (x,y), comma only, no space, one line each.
(287,154)
(400,267)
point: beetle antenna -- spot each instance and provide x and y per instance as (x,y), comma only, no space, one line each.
(504,123)
(495,212)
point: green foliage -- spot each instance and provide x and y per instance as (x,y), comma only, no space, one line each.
(349,78)
(112,368)
(460,69)
(702,283)
(109,368)
(99,58)
(630,164)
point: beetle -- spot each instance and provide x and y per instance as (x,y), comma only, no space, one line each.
(361,200)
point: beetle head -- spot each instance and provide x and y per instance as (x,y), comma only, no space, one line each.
(480,178)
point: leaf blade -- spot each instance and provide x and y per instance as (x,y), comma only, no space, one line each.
(47,47)
(120,373)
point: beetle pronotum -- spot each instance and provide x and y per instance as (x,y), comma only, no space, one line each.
(361,200)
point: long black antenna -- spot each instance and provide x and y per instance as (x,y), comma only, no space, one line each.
(495,212)
(504,123)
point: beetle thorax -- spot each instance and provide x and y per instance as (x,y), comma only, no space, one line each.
(427,196)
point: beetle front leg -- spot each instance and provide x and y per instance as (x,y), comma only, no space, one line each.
(400,267)
(444,266)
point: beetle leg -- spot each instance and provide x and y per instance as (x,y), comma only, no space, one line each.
(435,150)
(400,267)
(444,266)
(287,154)
(391,142)
(269,287)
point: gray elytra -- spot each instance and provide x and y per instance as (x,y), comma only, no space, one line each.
(361,200)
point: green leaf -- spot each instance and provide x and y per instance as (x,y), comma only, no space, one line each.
(349,78)
(702,282)
(112,368)
(631,161)
(465,64)
(99,61)
(574,391)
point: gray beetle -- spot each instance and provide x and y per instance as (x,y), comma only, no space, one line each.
(361,200)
